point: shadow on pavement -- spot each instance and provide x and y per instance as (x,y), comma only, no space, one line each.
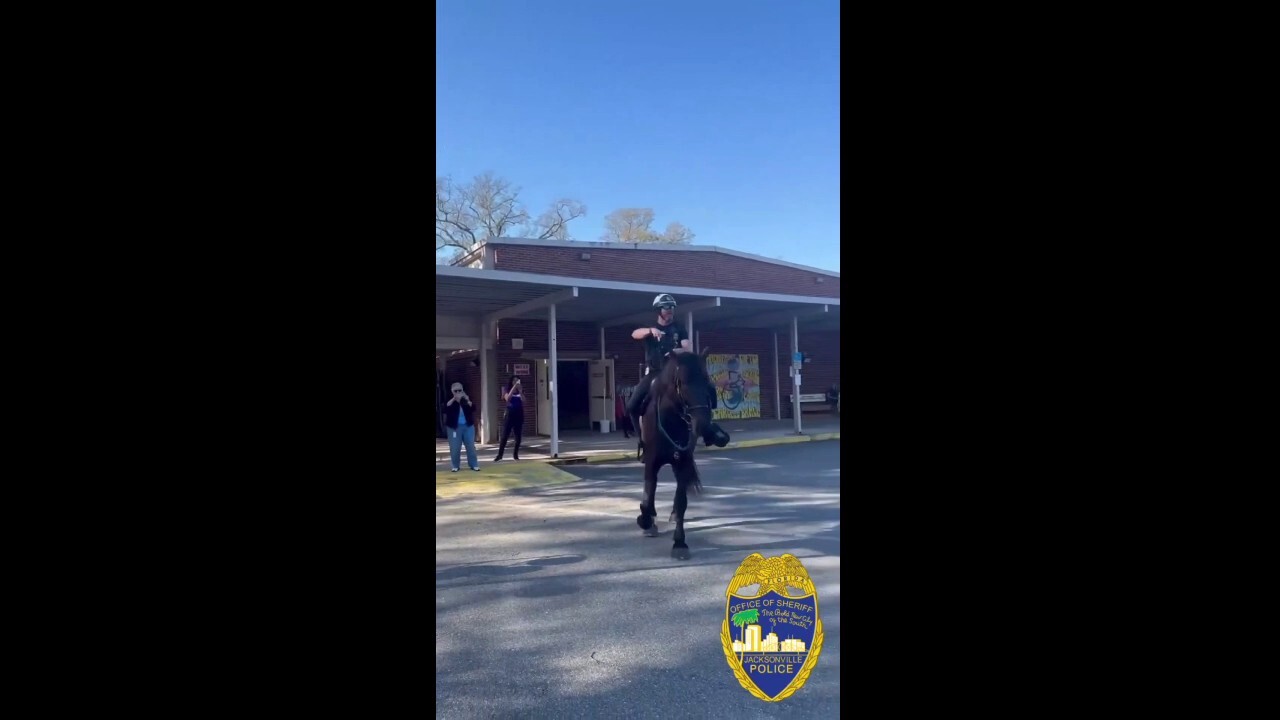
(599,621)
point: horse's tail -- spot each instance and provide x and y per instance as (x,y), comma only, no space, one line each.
(693,485)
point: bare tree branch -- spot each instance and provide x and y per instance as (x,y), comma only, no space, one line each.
(553,224)
(489,207)
(628,225)
(632,225)
(676,234)
(452,228)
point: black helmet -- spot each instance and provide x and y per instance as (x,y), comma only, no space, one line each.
(664,301)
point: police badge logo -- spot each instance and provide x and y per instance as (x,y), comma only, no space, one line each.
(772,667)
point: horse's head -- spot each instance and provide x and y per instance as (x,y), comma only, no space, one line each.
(688,387)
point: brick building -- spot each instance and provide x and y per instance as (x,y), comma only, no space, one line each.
(496,306)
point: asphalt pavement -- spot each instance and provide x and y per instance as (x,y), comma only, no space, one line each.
(550,603)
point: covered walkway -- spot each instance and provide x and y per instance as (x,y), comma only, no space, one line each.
(471,301)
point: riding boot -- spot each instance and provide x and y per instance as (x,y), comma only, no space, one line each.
(635,407)
(715,435)
(515,453)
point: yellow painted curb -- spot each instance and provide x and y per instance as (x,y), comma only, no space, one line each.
(496,478)
(761,442)
(758,442)
(631,455)
(611,458)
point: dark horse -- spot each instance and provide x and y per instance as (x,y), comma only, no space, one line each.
(677,412)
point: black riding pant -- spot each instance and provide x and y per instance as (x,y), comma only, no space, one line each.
(514,423)
(638,397)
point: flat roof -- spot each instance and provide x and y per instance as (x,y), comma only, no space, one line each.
(656,247)
(477,293)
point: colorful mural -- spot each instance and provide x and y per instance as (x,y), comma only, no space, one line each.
(737,381)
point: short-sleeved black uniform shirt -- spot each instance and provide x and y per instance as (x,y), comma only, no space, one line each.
(655,349)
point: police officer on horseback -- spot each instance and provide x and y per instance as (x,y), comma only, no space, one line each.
(663,337)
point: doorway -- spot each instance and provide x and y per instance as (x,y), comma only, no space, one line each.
(574,398)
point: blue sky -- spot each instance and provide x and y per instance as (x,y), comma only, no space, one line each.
(724,116)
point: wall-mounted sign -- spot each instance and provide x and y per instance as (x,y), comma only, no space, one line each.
(520,368)
(517,344)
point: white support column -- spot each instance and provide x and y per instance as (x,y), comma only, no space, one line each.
(493,394)
(486,402)
(795,379)
(606,402)
(688,327)
(777,380)
(551,380)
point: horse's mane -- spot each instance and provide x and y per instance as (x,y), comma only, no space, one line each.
(692,363)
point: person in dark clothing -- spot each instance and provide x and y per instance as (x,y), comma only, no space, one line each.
(513,395)
(620,414)
(460,418)
(663,337)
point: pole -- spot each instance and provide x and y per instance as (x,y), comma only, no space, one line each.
(551,374)
(607,395)
(795,376)
(777,380)
(486,402)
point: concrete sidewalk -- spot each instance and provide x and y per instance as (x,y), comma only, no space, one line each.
(577,446)
(536,467)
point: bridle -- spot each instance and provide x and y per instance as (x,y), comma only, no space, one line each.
(684,409)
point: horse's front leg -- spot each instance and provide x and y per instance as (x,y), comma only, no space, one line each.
(679,550)
(647,510)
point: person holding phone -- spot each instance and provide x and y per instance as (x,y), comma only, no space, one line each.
(460,419)
(513,396)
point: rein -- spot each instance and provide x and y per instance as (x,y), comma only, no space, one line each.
(683,407)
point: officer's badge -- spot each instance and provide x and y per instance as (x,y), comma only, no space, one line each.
(771,638)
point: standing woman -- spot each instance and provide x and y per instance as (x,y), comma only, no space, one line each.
(514,398)
(460,419)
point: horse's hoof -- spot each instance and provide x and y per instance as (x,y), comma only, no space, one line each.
(644,521)
(651,531)
(681,553)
